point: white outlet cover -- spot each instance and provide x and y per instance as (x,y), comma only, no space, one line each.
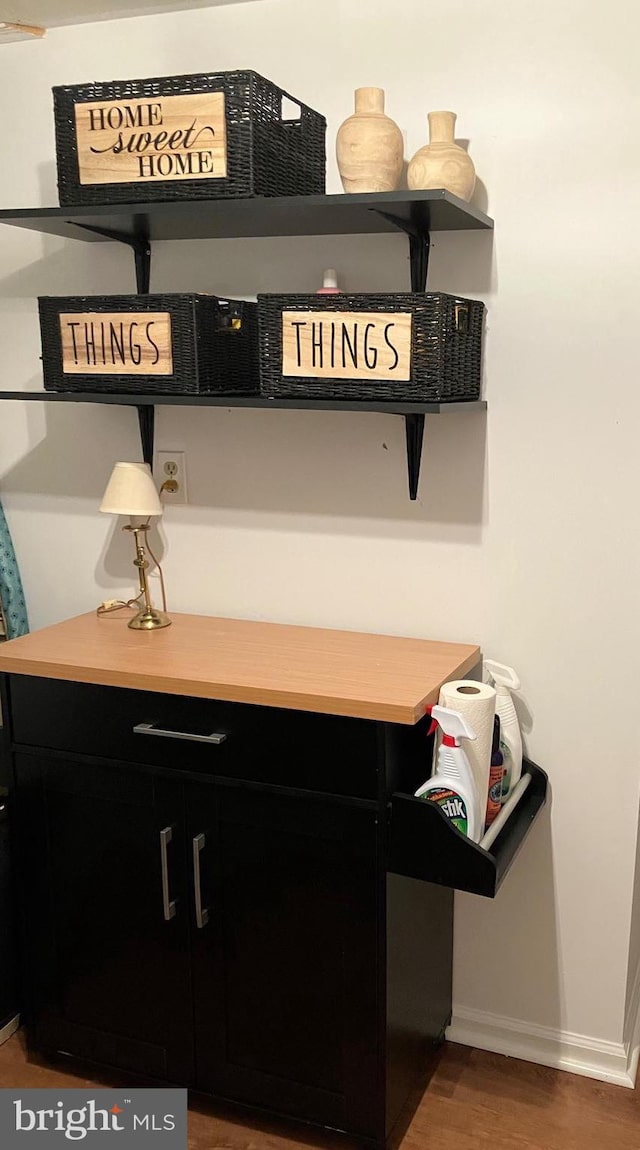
(161,474)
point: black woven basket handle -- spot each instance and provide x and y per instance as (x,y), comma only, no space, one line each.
(461,318)
(305,110)
(229,315)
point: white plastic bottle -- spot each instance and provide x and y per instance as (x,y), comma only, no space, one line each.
(507,681)
(453,786)
(329,283)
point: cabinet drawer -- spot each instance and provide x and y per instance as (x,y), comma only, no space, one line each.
(325,753)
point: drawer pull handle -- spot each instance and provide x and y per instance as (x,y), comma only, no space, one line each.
(216,737)
(202,914)
(168,903)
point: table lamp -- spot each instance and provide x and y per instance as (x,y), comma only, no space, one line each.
(131,491)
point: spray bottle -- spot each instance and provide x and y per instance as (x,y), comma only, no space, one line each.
(452,786)
(507,681)
(496,777)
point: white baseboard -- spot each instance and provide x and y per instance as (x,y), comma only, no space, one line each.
(632,1027)
(9,1029)
(614,1062)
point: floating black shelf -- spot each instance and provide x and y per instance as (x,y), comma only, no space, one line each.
(416,214)
(251,401)
(424,844)
(414,413)
(338,215)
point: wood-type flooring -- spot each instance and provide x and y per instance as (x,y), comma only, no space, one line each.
(474,1101)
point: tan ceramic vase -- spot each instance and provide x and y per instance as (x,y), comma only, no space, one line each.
(369,146)
(442,163)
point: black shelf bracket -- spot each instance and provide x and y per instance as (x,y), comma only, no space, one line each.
(146,420)
(419,249)
(141,247)
(414,429)
(142,257)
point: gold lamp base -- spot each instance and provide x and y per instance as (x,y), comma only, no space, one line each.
(148,619)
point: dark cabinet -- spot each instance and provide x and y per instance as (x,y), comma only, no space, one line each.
(8,965)
(239,899)
(206,934)
(109,975)
(284,956)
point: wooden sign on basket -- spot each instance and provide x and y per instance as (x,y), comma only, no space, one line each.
(116,343)
(153,138)
(347,345)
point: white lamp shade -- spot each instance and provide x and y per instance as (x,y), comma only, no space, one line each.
(131,491)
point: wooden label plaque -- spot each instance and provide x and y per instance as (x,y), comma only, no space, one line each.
(154,138)
(116,343)
(347,345)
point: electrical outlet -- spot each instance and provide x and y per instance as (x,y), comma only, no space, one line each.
(171,471)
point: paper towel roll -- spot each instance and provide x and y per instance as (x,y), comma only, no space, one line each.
(477,702)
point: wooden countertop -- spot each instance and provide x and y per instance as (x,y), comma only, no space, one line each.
(334,672)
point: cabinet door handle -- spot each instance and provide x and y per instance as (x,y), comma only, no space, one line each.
(168,903)
(216,737)
(202,914)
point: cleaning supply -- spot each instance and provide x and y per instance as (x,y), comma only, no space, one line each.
(496,776)
(329,283)
(476,701)
(507,681)
(453,786)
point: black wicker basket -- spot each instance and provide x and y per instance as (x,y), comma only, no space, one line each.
(266,154)
(443,335)
(199,344)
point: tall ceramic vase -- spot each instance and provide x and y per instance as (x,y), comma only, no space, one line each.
(369,146)
(442,163)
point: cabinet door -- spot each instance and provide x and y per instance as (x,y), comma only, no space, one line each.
(105,912)
(285,938)
(8,965)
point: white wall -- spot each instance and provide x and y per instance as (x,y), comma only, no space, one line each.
(633,972)
(524,540)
